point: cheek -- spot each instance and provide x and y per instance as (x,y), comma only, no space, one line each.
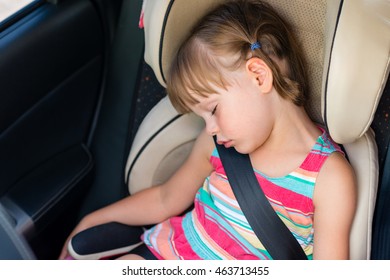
(262,125)
(252,138)
(232,118)
(256,129)
(250,120)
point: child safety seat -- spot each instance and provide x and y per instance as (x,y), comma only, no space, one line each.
(347,47)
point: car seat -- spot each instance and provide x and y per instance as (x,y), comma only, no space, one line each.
(347,51)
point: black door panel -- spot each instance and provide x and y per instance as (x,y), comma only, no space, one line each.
(59,120)
(41,52)
(52,66)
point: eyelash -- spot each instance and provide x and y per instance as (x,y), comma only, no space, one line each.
(214,110)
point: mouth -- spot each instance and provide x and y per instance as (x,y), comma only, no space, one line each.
(227,144)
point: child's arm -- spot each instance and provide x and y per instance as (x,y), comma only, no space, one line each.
(335,203)
(156,204)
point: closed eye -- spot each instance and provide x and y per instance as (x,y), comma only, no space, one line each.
(214,110)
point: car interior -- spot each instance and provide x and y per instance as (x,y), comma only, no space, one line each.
(85,120)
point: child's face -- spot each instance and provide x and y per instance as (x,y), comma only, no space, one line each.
(240,116)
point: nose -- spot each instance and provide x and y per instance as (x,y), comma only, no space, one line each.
(211,127)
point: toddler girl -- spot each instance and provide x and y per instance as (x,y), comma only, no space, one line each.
(242,71)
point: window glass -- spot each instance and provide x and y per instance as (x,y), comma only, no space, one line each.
(9,7)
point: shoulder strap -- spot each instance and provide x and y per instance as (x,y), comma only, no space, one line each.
(269,228)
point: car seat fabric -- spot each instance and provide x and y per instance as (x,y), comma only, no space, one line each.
(148,94)
(381,125)
(381,227)
(333,37)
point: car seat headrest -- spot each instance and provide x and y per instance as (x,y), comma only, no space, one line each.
(346,44)
(358,70)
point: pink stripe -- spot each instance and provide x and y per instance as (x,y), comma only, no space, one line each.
(287,198)
(221,238)
(313,162)
(180,241)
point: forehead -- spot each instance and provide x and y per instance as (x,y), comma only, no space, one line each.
(204,99)
(204,66)
(214,89)
(203,82)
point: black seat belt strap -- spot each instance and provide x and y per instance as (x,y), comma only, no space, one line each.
(269,228)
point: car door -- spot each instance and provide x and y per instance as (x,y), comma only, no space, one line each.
(53,61)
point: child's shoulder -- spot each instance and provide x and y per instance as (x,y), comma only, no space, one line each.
(336,167)
(335,204)
(336,178)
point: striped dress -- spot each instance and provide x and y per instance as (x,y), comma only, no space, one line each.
(216,227)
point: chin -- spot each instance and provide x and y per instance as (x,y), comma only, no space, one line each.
(242,150)
(246,149)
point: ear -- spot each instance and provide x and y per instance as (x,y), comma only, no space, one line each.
(259,70)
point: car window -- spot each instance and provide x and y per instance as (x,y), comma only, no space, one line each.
(9,8)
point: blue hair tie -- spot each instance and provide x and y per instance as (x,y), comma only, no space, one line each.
(255,45)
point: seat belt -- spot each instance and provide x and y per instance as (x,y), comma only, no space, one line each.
(269,228)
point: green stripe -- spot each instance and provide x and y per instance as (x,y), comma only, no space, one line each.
(300,180)
(196,242)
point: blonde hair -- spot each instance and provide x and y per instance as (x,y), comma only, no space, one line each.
(229,31)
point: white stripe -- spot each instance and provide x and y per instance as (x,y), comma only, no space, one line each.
(200,235)
(229,213)
(303,177)
(217,192)
(153,239)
